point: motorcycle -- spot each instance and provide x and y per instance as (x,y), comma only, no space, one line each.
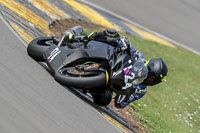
(91,66)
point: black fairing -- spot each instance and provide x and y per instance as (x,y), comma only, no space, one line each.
(58,57)
(66,56)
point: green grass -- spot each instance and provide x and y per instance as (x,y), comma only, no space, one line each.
(172,106)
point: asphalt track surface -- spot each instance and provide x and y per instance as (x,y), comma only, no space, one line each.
(178,20)
(47,108)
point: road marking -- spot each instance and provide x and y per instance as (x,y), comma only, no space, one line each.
(116,123)
(22,33)
(92,14)
(150,36)
(49,9)
(136,24)
(27,14)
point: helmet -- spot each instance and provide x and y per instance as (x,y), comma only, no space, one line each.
(157,71)
(111,36)
(111,33)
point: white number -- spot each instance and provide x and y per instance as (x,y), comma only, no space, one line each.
(127,85)
(127,77)
(53,54)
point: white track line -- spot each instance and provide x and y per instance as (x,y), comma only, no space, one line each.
(138,25)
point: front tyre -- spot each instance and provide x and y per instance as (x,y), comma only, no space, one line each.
(80,79)
(38,46)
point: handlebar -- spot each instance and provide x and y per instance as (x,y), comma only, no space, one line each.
(78,38)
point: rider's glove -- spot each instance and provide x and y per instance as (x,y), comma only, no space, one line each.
(69,35)
(121,101)
(122,47)
(123,43)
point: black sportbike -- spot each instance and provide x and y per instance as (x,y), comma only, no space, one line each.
(90,66)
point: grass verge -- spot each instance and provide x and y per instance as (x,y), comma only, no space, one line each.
(172,106)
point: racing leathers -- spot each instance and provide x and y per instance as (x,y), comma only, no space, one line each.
(111,37)
(122,101)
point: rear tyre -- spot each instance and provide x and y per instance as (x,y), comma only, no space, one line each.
(38,46)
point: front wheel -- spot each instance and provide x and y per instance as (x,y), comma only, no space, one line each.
(102,99)
(75,77)
(38,46)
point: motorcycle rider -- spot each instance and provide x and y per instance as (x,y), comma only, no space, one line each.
(157,69)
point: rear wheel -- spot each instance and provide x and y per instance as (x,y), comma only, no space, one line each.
(38,46)
(80,76)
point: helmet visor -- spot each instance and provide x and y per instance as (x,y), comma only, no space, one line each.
(140,71)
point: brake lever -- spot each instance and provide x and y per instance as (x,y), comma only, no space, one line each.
(61,40)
